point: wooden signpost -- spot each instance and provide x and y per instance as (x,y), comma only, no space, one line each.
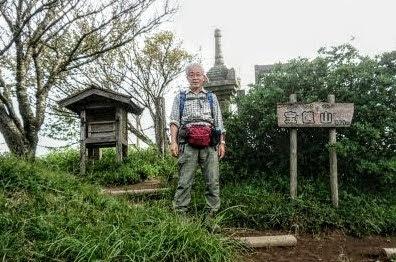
(319,114)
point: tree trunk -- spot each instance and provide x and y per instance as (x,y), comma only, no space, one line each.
(18,143)
(157,130)
(159,124)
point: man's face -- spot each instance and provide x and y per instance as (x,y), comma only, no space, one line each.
(196,78)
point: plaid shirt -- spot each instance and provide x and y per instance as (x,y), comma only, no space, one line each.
(197,110)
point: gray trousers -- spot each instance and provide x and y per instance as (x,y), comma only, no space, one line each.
(189,159)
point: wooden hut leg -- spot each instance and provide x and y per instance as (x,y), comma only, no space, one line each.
(124,151)
(118,134)
(99,153)
(83,158)
(90,153)
(119,151)
(83,149)
(94,153)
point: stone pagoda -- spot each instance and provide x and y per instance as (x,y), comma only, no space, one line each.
(222,81)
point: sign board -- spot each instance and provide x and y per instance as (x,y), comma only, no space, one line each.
(318,114)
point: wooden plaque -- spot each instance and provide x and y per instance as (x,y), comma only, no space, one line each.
(318,114)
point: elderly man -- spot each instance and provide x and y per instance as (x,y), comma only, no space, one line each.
(197,138)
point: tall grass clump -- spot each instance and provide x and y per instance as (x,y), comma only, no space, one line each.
(48,216)
(265,204)
(139,165)
(263,208)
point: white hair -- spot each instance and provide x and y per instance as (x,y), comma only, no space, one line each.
(198,66)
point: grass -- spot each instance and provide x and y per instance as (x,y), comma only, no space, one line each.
(48,212)
(140,164)
(52,215)
(264,204)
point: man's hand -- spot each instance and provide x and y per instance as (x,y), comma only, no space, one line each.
(174,147)
(221,150)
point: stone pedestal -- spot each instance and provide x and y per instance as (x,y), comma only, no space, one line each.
(224,90)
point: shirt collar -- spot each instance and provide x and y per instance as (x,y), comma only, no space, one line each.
(202,91)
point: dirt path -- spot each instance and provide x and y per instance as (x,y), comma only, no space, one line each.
(331,246)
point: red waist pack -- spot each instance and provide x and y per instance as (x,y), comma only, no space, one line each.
(199,135)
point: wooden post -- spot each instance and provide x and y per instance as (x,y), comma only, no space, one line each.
(390,252)
(270,241)
(83,131)
(163,126)
(124,151)
(118,134)
(293,155)
(138,127)
(90,153)
(94,153)
(333,160)
(124,132)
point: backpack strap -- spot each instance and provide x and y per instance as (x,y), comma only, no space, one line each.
(209,95)
(182,101)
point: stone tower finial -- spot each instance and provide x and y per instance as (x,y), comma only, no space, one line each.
(218,54)
(222,81)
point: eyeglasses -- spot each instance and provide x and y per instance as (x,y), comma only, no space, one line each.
(191,75)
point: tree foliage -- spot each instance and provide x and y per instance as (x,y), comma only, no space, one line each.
(43,42)
(141,69)
(366,150)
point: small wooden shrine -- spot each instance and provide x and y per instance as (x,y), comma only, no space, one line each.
(103,114)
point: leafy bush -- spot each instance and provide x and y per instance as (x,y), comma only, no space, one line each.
(366,150)
(53,216)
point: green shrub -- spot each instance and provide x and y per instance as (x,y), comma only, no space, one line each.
(366,150)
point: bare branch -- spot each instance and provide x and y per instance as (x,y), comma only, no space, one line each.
(17,31)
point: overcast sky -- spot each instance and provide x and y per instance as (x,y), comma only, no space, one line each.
(270,31)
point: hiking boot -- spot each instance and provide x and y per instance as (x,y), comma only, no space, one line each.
(180,212)
(216,229)
(211,224)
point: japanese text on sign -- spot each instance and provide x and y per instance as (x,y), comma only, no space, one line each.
(316,114)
